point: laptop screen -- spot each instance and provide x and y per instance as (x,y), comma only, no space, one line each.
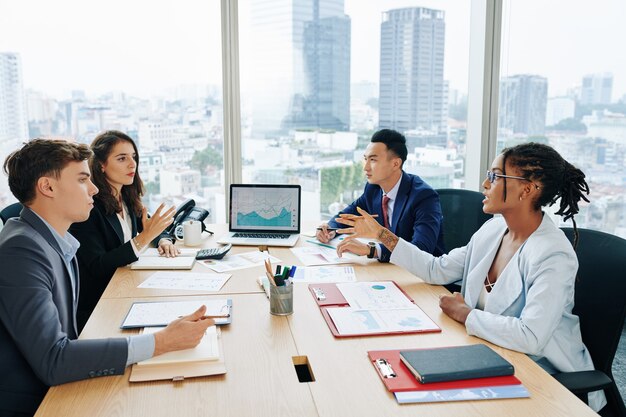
(264,208)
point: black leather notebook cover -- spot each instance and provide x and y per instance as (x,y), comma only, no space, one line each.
(454,363)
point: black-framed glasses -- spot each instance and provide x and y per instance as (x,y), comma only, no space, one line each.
(491,176)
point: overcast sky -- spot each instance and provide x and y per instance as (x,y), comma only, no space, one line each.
(144,47)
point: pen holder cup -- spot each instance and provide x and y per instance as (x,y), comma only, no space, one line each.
(281,300)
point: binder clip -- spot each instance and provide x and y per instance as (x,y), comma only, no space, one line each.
(385,368)
(319,294)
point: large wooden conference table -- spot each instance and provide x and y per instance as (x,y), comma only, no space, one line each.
(259,350)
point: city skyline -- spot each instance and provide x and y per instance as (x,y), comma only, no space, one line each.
(64,46)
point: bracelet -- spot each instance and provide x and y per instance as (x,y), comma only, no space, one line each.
(137,245)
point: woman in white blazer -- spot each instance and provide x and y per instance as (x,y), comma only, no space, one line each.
(518,270)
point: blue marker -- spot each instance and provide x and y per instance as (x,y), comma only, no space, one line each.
(292,272)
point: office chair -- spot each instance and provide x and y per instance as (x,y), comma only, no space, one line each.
(12,210)
(600,303)
(462,217)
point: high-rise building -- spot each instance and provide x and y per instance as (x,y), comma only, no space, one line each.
(412,96)
(301,61)
(13,122)
(522,105)
(596,89)
(560,108)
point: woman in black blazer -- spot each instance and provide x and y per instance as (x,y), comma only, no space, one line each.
(118,228)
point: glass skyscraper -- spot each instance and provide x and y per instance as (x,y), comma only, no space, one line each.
(302,65)
(522,104)
(412,89)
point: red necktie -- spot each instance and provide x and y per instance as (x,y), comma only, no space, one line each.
(385,214)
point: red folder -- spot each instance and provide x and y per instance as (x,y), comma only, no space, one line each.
(329,295)
(405,381)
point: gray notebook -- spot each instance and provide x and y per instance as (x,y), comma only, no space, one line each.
(455,363)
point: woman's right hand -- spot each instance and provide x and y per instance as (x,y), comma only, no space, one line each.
(155,225)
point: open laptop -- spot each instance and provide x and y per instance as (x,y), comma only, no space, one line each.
(263,214)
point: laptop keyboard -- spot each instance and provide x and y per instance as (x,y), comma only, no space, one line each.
(262,235)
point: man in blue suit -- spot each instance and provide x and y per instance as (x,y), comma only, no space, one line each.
(404,203)
(39,284)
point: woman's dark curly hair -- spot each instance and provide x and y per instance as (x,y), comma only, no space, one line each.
(559,179)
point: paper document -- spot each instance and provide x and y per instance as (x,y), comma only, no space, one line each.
(354,321)
(239,261)
(207,349)
(374,295)
(191,281)
(465,394)
(320,255)
(183,252)
(161,262)
(325,274)
(161,313)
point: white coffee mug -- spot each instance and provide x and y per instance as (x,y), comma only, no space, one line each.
(192,233)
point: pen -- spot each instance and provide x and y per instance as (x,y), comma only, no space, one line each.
(217,316)
(329,229)
(321,244)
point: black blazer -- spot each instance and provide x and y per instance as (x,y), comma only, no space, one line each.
(102,250)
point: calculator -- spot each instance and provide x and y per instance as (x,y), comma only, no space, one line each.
(213,253)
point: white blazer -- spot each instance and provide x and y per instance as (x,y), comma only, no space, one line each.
(530,308)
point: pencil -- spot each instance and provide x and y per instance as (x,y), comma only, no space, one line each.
(270,277)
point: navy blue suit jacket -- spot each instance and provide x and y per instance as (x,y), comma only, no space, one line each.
(38,345)
(417,216)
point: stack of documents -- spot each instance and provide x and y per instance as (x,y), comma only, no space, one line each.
(399,379)
(162,262)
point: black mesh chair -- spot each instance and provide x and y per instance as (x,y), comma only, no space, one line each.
(462,216)
(600,302)
(12,210)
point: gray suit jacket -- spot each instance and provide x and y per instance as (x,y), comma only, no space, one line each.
(38,345)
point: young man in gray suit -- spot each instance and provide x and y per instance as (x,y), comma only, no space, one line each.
(39,284)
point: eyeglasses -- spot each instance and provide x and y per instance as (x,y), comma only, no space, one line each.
(491,176)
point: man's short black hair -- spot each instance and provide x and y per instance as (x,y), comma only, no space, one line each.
(395,142)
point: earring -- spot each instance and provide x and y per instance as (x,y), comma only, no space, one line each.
(520,198)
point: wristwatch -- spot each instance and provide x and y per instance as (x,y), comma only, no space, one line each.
(372,247)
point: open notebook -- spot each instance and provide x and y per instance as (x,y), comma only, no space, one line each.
(205,359)
(207,350)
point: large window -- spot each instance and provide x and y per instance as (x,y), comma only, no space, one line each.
(562,83)
(318,77)
(71,69)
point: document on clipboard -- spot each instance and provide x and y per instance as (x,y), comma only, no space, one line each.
(399,380)
(161,313)
(370,308)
